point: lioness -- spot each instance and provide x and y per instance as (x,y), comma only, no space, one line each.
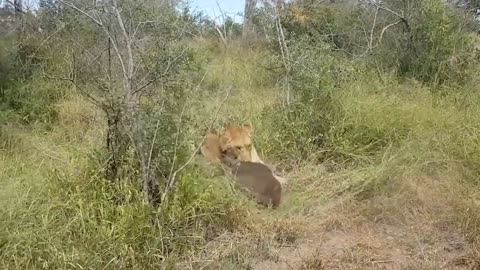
(238,138)
(210,148)
(257,178)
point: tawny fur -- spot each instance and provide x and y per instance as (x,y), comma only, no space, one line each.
(210,148)
(237,140)
(233,138)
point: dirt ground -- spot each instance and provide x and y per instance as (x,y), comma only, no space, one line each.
(413,229)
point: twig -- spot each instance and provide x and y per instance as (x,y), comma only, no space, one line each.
(221,36)
(149,162)
(370,45)
(99,22)
(385,29)
(382,261)
(285,53)
(155,79)
(223,20)
(128,40)
(370,42)
(53,34)
(82,91)
(172,179)
(72,6)
(400,16)
(178,127)
(52,156)
(95,60)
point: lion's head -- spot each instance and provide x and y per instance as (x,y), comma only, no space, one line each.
(238,139)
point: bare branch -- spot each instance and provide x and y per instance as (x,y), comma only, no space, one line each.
(130,64)
(99,22)
(370,42)
(221,35)
(223,20)
(53,34)
(385,29)
(179,124)
(171,181)
(14,5)
(155,79)
(400,16)
(149,162)
(95,60)
(285,53)
(74,7)
(95,101)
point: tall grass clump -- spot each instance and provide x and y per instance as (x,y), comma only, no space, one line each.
(315,79)
(70,216)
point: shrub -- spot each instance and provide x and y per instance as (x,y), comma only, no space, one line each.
(84,223)
(441,51)
(34,101)
(435,47)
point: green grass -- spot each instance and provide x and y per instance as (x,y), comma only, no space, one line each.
(58,213)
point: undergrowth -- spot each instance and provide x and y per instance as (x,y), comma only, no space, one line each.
(54,217)
(350,133)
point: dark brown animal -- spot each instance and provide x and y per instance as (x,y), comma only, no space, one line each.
(257,178)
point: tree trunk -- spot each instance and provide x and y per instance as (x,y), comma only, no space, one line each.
(117,144)
(135,119)
(18,5)
(248,25)
(18,8)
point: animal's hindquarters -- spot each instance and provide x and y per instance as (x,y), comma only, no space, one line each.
(259,180)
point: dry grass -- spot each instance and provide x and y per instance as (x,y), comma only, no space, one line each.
(412,203)
(413,228)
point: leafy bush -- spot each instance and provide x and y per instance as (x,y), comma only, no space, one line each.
(441,52)
(23,90)
(339,25)
(432,45)
(34,101)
